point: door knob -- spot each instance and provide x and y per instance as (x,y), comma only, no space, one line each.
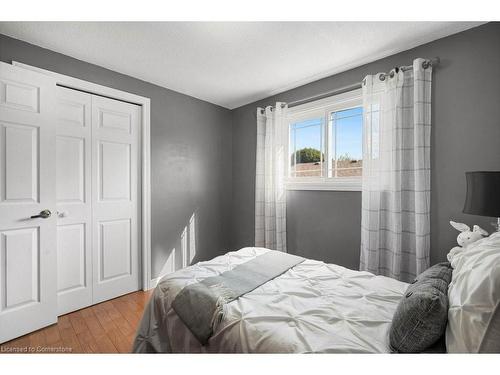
(44,214)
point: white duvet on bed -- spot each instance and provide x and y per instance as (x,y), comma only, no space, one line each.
(313,307)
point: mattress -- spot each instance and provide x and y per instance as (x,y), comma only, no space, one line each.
(314,307)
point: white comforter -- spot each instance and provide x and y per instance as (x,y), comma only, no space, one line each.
(313,307)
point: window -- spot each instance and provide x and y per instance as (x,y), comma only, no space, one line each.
(306,141)
(325,144)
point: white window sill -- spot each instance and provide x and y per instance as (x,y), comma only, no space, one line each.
(346,185)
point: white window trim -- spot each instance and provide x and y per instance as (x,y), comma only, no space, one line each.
(331,104)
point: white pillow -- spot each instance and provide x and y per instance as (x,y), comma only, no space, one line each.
(473,294)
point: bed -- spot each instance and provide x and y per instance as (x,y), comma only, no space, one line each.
(312,307)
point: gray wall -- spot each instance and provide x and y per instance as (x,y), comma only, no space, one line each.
(466,137)
(201,164)
(190,154)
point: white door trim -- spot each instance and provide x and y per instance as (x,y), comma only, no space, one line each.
(93,88)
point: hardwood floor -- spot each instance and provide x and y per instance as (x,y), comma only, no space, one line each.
(107,327)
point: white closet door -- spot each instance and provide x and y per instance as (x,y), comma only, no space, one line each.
(115,197)
(74,205)
(27,187)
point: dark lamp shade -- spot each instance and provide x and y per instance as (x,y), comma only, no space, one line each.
(483,194)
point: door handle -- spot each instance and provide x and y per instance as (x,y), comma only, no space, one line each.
(44,214)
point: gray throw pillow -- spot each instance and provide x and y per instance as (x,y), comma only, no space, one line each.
(422,314)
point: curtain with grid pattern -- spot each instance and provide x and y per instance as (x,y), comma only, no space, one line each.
(395,224)
(270,194)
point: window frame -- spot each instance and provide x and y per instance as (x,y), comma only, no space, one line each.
(326,106)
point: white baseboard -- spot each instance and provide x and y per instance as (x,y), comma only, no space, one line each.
(154,281)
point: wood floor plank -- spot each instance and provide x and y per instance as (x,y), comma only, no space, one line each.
(95,327)
(77,322)
(86,312)
(87,342)
(52,334)
(37,338)
(104,319)
(124,326)
(63,322)
(129,316)
(111,310)
(105,345)
(121,342)
(133,304)
(70,340)
(108,327)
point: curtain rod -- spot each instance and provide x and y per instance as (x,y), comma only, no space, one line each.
(432,62)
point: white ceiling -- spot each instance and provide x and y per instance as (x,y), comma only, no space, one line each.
(230,64)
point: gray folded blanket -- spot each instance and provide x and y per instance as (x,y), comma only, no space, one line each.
(201,306)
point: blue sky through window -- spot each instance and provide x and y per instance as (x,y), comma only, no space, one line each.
(306,133)
(349,127)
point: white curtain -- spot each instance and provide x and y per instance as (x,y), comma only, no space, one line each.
(270,194)
(395,225)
